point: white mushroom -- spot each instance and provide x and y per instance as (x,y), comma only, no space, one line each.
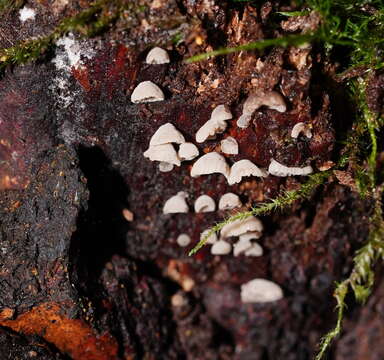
(163,153)
(165,167)
(215,125)
(254,250)
(260,291)
(272,99)
(176,204)
(277,169)
(188,151)
(251,235)
(165,134)
(211,239)
(204,203)
(145,92)
(157,56)
(221,247)
(301,128)
(183,240)
(244,168)
(241,246)
(239,227)
(229,201)
(210,163)
(229,146)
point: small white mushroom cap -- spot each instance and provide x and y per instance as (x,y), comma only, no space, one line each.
(243,168)
(229,201)
(221,247)
(254,250)
(210,163)
(204,203)
(215,125)
(301,128)
(183,240)
(165,134)
(163,153)
(241,246)
(239,227)
(221,113)
(165,167)
(260,291)
(188,151)
(176,204)
(251,235)
(157,56)
(229,146)
(277,169)
(272,99)
(211,239)
(145,92)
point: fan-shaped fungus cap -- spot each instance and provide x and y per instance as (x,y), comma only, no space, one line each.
(254,250)
(301,128)
(145,92)
(277,169)
(260,291)
(239,227)
(221,247)
(166,134)
(241,246)
(274,101)
(229,201)
(250,235)
(163,153)
(211,239)
(244,168)
(176,204)
(188,151)
(204,203)
(157,56)
(210,163)
(183,240)
(221,113)
(165,167)
(229,146)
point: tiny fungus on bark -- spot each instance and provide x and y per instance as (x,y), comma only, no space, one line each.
(176,204)
(243,168)
(250,235)
(164,153)
(156,56)
(221,247)
(145,92)
(183,240)
(277,169)
(260,291)
(239,227)
(229,146)
(229,201)
(301,128)
(211,239)
(166,134)
(254,250)
(165,167)
(204,203)
(188,151)
(210,163)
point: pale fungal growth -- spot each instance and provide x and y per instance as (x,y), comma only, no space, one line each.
(176,204)
(157,56)
(260,291)
(243,168)
(272,99)
(166,134)
(165,167)
(183,240)
(26,13)
(221,247)
(146,92)
(204,203)
(215,125)
(188,151)
(277,169)
(254,250)
(251,235)
(229,201)
(301,128)
(241,246)
(229,146)
(210,163)
(239,227)
(163,153)
(211,239)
